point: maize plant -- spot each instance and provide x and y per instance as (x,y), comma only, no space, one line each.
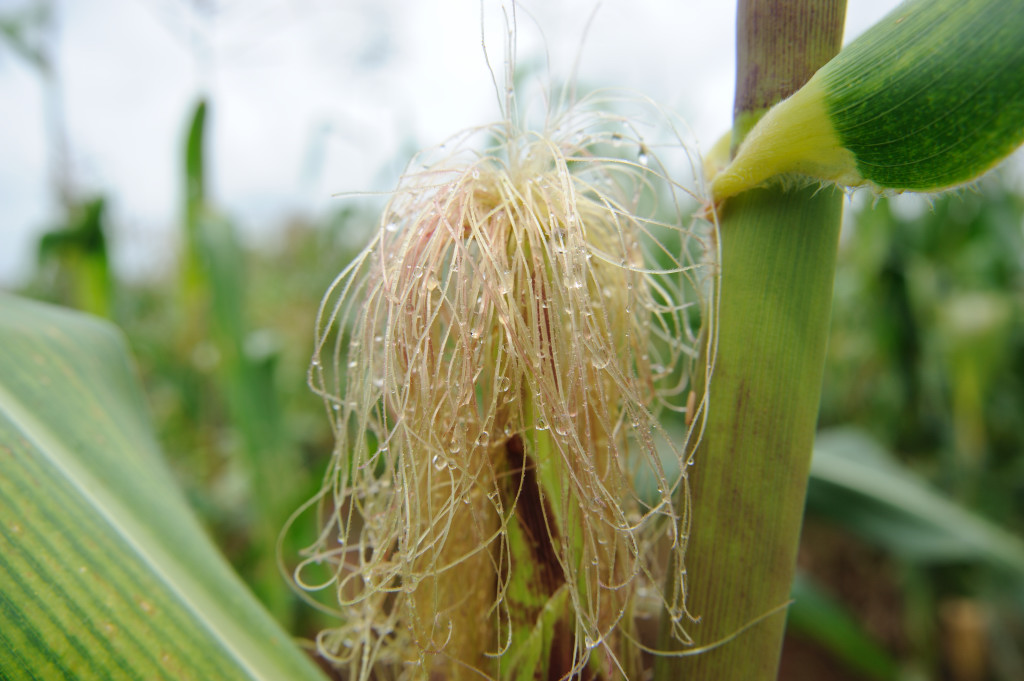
(573,410)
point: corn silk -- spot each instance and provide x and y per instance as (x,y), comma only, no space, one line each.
(510,368)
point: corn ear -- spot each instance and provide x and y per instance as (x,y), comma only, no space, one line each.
(929,98)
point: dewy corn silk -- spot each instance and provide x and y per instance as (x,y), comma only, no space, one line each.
(507,367)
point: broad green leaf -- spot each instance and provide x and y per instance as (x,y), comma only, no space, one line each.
(929,98)
(105,572)
(855,482)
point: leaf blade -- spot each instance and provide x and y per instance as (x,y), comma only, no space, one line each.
(855,482)
(84,486)
(929,98)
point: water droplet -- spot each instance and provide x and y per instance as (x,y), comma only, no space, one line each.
(541,424)
(391,227)
(643,159)
(504,383)
(439,462)
(483,439)
(563,424)
(352,364)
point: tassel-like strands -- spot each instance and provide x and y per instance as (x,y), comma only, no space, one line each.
(503,493)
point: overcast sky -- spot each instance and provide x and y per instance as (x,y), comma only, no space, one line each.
(313,97)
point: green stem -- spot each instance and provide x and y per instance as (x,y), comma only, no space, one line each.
(778,252)
(778,263)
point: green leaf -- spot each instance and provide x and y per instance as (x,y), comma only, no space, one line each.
(858,485)
(216,286)
(195,175)
(105,571)
(929,98)
(817,616)
(78,252)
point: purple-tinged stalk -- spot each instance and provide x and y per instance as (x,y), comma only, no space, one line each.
(503,496)
(777,254)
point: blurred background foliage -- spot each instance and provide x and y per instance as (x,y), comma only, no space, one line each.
(925,383)
(912,566)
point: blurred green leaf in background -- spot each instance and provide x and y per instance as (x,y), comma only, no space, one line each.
(925,376)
